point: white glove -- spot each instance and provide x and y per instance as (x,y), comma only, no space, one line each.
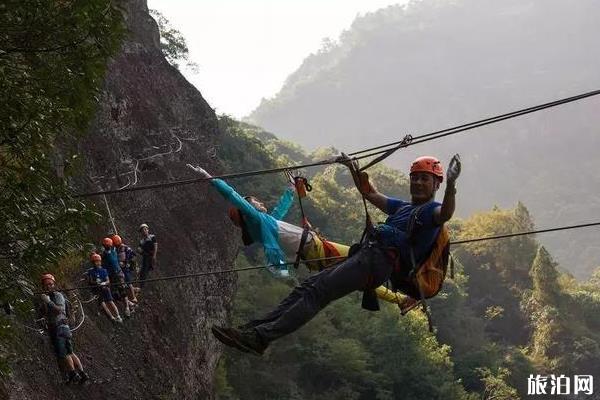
(454,169)
(200,170)
(46,298)
(103,283)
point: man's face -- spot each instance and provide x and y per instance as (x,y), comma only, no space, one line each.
(145,231)
(423,186)
(257,204)
(49,285)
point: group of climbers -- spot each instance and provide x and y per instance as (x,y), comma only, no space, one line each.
(111,277)
(409,250)
(113,272)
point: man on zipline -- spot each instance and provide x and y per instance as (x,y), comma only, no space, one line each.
(386,246)
(282,240)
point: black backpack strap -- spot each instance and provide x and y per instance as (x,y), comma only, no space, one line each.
(300,252)
(413,225)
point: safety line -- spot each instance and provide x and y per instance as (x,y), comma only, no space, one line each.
(333,160)
(463,128)
(509,235)
(196,274)
(112,221)
(226,271)
(493,119)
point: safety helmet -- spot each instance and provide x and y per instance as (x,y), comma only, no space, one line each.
(95,257)
(107,242)
(47,277)
(142,226)
(235,216)
(428,164)
(116,239)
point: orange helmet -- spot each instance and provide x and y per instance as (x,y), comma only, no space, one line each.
(107,242)
(95,257)
(116,239)
(235,216)
(428,164)
(47,277)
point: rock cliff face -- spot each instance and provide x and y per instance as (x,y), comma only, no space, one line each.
(150,122)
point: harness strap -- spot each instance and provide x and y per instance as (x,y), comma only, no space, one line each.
(421,294)
(300,252)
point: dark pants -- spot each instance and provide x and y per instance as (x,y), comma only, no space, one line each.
(369,267)
(147,266)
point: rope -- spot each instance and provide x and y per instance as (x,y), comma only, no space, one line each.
(82,315)
(509,235)
(482,122)
(197,274)
(332,160)
(112,221)
(226,271)
(416,140)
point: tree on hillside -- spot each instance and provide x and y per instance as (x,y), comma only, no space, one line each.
(173,43)
(498,270)
(52,61)
(544,277)
(542,305)
(53,58)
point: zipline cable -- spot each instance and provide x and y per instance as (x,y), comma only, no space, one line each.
(509,235)
(333,160)
(383,154)
(196,274)
(493,119)
(226,271)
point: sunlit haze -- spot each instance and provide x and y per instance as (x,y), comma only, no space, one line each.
(245,49)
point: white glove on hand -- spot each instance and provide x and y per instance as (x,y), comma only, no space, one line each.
(46,298)
(200,170)
(453,169)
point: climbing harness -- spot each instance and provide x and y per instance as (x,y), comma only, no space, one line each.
(301,187)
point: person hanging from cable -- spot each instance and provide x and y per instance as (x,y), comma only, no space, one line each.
(389,250)
(258,225)
(292,241)
(149,249)
(98,277)
(55,310)
(126,257)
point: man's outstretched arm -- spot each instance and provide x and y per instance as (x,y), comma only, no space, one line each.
(446,210)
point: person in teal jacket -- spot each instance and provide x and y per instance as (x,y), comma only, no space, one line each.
(260,226)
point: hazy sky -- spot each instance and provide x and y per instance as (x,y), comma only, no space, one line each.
(246,48)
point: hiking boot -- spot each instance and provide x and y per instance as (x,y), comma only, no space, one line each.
(222,335)
(407,304)
(246,340)
(83,377)
(72,377)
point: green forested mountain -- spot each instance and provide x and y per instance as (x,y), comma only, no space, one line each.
(433,64)
(508,313)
